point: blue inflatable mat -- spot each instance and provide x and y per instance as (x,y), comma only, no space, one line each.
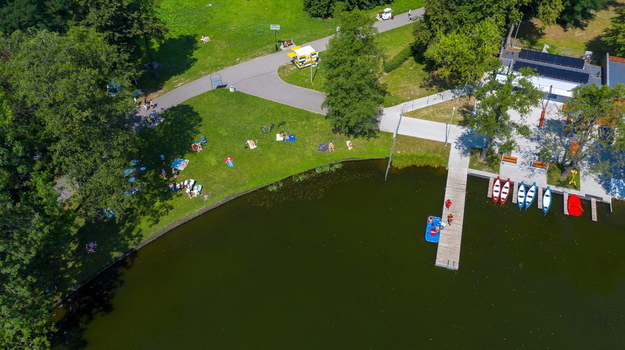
(289,137)
(433,229)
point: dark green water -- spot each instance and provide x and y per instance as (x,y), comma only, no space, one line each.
(339,261)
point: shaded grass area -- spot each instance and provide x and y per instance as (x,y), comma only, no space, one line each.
(571,181)
(227,120)
(408,82)
(442,112)
(239,31)
(412,151)
(572,41)
(491,164)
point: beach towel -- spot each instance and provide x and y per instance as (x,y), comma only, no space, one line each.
(289,137)
(196,146)
(251,143)
(322,147)
(229,161)
(203,139)
(179,164)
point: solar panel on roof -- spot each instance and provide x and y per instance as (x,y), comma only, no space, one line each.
(550,58)
(552,72)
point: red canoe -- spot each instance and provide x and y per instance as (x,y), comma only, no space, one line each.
(575,206)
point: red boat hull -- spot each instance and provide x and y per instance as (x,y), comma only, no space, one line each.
(575,206)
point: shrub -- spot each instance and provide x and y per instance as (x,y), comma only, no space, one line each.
(398,60)
(401,161)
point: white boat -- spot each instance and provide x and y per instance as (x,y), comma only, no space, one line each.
(505,192)
(496,190)
(531,193)
(521,196)
(546,200)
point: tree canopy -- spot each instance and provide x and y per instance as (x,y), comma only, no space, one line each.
(577,12)
(614,36)
(353,64)
(492,119)
(594,128)
(464,55)
(325,8)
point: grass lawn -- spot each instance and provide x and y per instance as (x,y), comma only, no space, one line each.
(491,164)
(442,112)
(571,181)
(412,151)
(239,31)
(404,84)
(573,41)
(227,120)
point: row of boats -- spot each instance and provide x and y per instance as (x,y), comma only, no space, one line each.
(525,196)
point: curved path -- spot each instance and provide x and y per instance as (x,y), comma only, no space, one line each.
(259,77)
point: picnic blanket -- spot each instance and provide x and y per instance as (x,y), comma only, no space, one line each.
(179,164)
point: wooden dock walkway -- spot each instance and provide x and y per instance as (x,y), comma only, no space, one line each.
(491,183)
(565,195)
(593,209)
(448,253)
(515,192)
(540,197)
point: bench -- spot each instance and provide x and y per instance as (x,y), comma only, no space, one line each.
(538,164)
(509,159)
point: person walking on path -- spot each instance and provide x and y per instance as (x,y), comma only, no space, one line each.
(448,203)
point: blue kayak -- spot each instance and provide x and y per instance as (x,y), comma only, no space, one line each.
(433,229)
(521,195)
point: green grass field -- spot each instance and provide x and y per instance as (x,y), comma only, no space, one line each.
(239,31)
(227,120)
(442,112)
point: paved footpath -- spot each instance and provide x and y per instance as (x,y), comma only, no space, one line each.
(259,77)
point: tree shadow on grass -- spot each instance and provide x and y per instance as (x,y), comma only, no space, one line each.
(598,48)
(174,56)
(529,33)
(121,234)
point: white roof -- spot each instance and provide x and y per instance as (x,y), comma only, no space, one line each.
(304,51)
(548,85)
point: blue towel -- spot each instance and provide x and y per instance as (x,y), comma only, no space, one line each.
(203,139)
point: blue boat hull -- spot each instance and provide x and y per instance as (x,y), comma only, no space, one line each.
(433,229)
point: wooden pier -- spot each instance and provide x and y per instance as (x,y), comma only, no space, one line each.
(448,253)
(593,209)
(540,197)
(491,183)
(515,192)
(565,195)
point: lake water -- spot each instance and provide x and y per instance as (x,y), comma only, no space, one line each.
(339,261)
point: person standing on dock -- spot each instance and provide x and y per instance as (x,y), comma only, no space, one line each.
(448,203)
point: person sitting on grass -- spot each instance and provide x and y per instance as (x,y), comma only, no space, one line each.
(331,146)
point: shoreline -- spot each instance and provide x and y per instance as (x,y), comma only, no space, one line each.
(160,233)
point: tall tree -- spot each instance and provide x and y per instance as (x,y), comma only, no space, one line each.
(595,128)
(59,87)
(38,14)
(464,55)
(353,64)
(447,16)
(33,240)
(614,36)
(577,12)
(492,119)
(128,24)
(549,11)
(325,8)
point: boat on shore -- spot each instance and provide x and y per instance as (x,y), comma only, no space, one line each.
(546,200)
(531,194)
(505,192)
(521,196)
(574,205)
(496,190)
(433,229)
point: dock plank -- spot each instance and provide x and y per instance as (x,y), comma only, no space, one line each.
(515,192)
(565,196)
(593,209)
(491,183)
(540,197)
(448,253)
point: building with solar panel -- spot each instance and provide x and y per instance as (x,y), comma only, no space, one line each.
(556,75)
